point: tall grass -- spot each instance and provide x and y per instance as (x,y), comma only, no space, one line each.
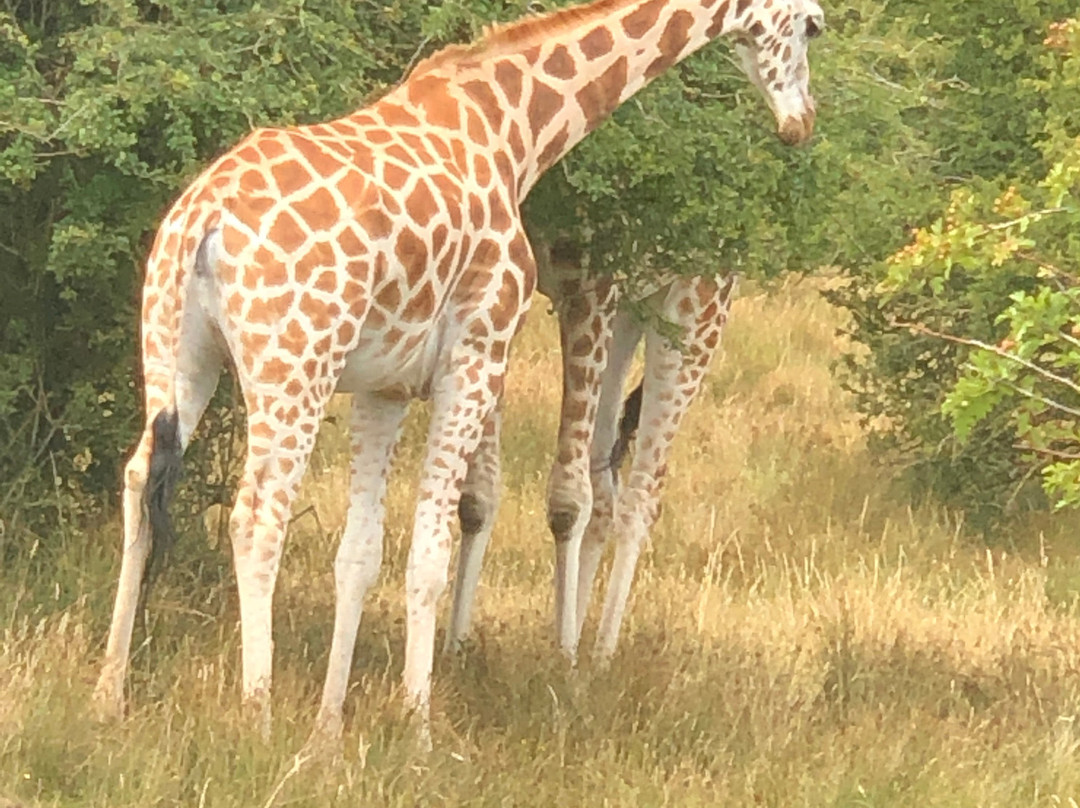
(798,635)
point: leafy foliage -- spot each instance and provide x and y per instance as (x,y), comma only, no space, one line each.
(108,109)
(1001,119)
(1015,259)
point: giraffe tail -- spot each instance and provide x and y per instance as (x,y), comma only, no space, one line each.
(628,425)
(164,474)
(167,445)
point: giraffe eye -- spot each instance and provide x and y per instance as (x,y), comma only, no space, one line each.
(814,27)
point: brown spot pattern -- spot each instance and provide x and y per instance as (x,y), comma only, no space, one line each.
(320,255)
(485,99)
(270,146)
(376,223)
(482,170)
(438,239)
(560,64)
(421,204)
(476,129)
(290,176)
(286,232)
(600,97)
(274,370)
(319,210)
(411,251)
(500,217)
(597,43)
(674,38)
(555,148)
(293,340)
(318,312)
(323,163)
(421,306)
(395,175)
(509,77)
(395,115)
(640,21)
(430,94)
(389,296)
(543,105)
(476,212)
(517,145)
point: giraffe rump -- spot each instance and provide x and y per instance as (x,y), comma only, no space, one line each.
(164,473)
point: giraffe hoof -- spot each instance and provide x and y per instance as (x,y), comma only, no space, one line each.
(422,739)
(325,742)
(107,703)
(257,714)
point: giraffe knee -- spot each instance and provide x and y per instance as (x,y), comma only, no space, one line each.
(473,514)
(562,518)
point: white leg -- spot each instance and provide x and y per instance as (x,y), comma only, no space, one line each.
(626,333)
(376,425)
(673,377)
(584,330)
(277,455)
(463,401)
(476,511)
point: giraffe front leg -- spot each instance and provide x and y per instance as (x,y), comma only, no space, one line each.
(476,512)
(626,334)
(673,375)
(464,399)
(376,426)
(584,331)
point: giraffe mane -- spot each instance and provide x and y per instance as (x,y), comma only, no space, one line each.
(500,38)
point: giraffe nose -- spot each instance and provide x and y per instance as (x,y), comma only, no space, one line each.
(797,130)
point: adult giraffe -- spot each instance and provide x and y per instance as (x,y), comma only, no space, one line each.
(382,254)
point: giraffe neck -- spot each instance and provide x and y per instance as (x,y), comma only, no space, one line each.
(545,83)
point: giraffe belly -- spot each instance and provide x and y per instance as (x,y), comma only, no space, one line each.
(404,370)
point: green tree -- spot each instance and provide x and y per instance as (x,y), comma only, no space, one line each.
(1014,256)
(991,126)
(107,108)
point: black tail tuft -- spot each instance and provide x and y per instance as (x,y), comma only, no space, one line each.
(165,459)
(628,425)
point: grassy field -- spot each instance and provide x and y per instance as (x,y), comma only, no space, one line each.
(798,635)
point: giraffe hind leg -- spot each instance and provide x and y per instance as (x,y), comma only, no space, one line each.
(376,426)
(673,376)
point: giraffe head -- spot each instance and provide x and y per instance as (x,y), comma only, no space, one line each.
(772,40)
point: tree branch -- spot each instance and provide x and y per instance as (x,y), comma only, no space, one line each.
(994,349)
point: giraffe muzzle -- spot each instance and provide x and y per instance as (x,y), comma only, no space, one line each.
(795,131)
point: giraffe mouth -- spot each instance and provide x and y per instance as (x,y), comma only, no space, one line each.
(797,130)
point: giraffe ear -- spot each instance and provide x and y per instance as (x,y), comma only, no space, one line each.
(814,27)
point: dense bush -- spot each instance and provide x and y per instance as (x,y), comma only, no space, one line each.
(108,109)
(996,126)
(1012,257)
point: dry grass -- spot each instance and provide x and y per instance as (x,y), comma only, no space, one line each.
(798,636)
